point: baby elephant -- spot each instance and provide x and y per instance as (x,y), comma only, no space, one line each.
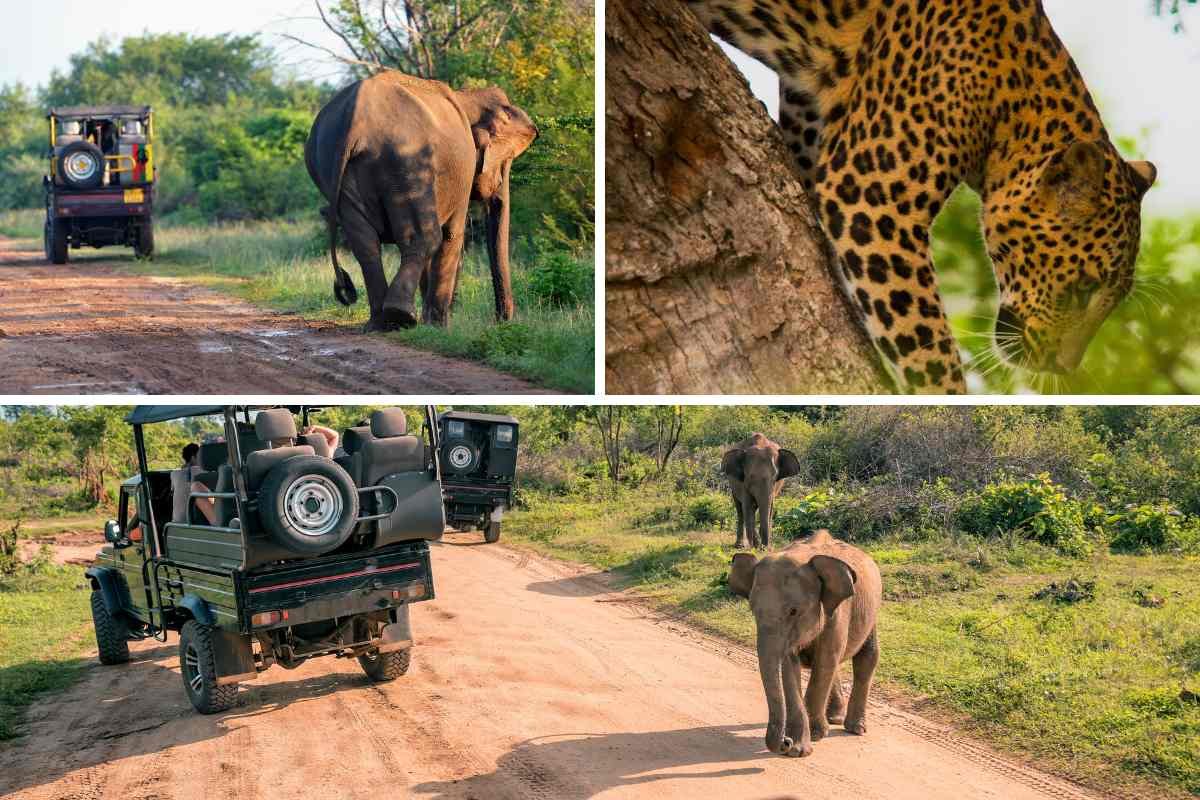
(815,605)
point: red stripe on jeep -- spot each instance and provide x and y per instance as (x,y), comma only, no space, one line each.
(328,578)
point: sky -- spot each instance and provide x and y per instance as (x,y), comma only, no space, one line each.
(1141,73)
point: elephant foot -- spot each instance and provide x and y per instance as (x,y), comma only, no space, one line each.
(399,318)
(858,727)
(818,730)
(836,718)
(793,750)
(776,741)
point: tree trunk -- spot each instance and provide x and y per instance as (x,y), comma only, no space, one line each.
(718,274)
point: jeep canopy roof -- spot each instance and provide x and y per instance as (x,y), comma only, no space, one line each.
(99,111)
(142,415)
(477,415)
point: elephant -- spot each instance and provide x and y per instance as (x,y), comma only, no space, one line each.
(799,598)
(399,160)
(756,468)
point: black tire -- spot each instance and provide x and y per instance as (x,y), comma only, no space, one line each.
(81,165)
(460,458)
(112,635)
(308,504)
(199,669)
(54,237)
(491,532)
(383,667)
(144,249)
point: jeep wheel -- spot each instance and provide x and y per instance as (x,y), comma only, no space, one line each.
(54,237)
(308,504)
(81,165)
(383,667)
(491,533)
(144,248)
(199,668)
(111,637)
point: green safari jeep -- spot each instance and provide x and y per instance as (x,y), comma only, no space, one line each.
(274,550)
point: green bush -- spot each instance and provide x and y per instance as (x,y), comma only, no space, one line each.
(709,511)
(505,339)
(1036,509)
(561,280)
(1152,527)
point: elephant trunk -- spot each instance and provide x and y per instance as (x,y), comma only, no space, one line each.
(770,662)
(766,512)
(497,242)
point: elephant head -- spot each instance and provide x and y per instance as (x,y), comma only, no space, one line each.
(794,595)
(501,132)
(755,469)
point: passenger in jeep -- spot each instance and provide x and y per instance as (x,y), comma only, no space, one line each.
(325,440)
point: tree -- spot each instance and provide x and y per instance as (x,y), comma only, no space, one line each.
(609,421)
(668,427)
(718,274)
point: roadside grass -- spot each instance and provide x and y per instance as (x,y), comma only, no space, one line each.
(44,632)
(1106,691)
(25,223)
(285,266)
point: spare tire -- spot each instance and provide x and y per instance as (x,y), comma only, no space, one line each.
(308,504)
(81,165)
(461,457)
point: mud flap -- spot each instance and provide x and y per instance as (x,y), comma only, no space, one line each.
(108,582)
(233,656)
(397,635)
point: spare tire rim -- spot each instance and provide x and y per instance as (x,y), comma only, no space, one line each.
(313,505)
(80,166)
(461,456)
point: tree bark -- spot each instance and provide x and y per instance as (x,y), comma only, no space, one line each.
(718,273)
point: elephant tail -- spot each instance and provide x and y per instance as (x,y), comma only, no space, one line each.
(343,286)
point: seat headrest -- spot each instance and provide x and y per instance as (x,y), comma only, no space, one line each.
(213,455)
(274,423)
(389,422)
(353,439)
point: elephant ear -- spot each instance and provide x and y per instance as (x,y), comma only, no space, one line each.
(733,464)
(741,573)
(499,138)
(837,581)
(789,465)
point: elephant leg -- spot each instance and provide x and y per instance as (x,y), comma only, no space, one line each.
(865,661)
(413,220)
(797,729)
(835,711)
(740,541)
(820,681)
(364,243)
(438,290)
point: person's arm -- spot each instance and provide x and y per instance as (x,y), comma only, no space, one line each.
(329,434)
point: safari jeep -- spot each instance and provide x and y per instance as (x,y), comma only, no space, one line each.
(479,465)
(297,555)
(100,185)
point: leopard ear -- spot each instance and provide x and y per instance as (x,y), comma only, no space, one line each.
(1144,174)
(1074,178)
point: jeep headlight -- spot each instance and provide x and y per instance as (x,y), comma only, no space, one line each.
(456,428)
(504,434)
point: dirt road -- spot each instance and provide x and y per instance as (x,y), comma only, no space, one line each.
(90,328)
(530,680)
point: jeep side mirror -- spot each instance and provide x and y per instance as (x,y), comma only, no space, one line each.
(113,534)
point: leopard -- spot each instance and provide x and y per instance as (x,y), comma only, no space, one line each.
(887,106)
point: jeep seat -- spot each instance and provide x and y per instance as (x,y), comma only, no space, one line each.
(272,425)
(390,450)
(353,440)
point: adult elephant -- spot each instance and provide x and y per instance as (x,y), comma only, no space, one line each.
(815,605)
(756,468)
(399,159)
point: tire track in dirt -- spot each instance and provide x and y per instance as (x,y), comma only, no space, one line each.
(91,327)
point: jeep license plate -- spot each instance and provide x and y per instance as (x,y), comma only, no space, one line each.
(135,196)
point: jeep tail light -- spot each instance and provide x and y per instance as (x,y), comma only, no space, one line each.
(264,618)
(504,433)
(414,592)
